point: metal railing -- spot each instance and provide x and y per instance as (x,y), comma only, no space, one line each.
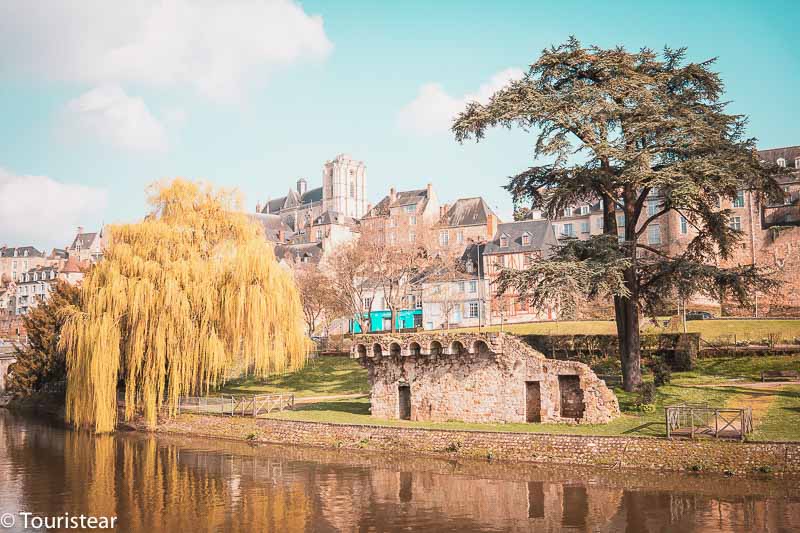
(699,420)
(236,405)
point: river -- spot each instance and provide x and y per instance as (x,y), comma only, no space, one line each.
(152,483)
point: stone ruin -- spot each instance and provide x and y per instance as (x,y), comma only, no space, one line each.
(490,377)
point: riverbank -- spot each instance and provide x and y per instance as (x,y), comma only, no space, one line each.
(617,452)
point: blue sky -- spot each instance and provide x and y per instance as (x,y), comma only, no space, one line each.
(100,100)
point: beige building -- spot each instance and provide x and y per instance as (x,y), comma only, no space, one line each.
(14,262)
(403,217)
(87,247)
(35,285)
(467,220)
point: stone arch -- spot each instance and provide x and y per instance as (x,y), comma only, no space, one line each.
(435,348)
(456,348)
(480,347)
(395,349)
(361,350)
(414,348)
(377,350)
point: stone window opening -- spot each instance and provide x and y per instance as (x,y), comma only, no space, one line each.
(456,348)
(435,348)
(404,401)
(395,350)
(481,348)
(415,349)
(571,395)
(377,350)
(533,402)
(361,350)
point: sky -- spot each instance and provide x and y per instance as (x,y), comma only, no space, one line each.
(99,99)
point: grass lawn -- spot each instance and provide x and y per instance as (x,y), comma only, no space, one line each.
(323,376)
(778,419)
(709,330)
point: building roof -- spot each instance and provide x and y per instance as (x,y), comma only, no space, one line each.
(59,253)
(300,253)
(418,196)
(541,232)
(71,266)
(275,229)
(788,153)
(334,217)
(467,212)
(21,251)
(293,199)
(83,241)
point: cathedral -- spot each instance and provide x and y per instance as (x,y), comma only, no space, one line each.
(343,195)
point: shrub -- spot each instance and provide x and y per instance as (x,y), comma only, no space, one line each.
(647,393)
(662,373)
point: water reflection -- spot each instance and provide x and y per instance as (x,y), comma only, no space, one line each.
(179,484)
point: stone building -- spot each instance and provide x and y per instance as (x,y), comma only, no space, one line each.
(403,217)
(15,261)
(343,191)
(87,247)
(467,220)
(478,378)
(35,284)
(517,245)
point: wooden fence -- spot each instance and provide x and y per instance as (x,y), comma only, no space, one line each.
(236,405)
(699,421)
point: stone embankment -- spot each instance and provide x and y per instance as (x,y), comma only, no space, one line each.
(611,452)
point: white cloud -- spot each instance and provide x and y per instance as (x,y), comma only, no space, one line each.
(110,115)
(42,212)
(209,45)
(433,110)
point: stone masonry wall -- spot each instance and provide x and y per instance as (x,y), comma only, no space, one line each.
(611,452)
(476,378)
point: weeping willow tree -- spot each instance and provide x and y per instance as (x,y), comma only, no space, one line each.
(178,298)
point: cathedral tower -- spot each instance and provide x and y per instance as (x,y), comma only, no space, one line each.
(344,186)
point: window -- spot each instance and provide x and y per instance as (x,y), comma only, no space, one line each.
(412,236)
(460,286)
(503,241)
(472,310)
(621,221)
(412,220)
(410,208)
(319,234)
(654,234)
(569,230)
(585,227)
(599,223)
(584,210)
(528,259)
(781,162)
(653,192)
(392,223)
(797,162)
(652,208)
(392,238)
(473,286)
(739,200)
(460,237)
(684,226)
(736,223)
(444,238)
(352,189)
(568,212)
(526,239)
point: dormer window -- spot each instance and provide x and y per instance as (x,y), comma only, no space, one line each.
(568,212)
(797,162)
(781,162)
(584,210)
(503,241)
(526,239)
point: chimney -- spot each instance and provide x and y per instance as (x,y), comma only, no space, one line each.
(429,189)
(369,208)
(301,186)
(491,226)
(392,195)
(443,209)
(80,229)
(258,207)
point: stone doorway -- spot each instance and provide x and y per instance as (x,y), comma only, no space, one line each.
(533,402)
(571,396)
(404,396)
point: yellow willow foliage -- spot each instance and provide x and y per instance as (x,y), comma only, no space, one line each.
(178,298)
